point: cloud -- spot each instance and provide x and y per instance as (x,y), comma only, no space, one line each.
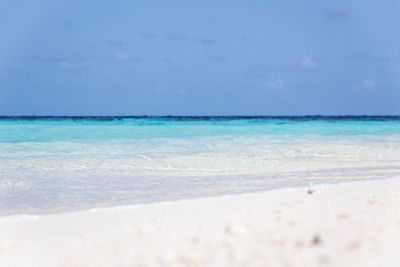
(369,84)
(167,61)
(46,59)
(175,37)
(205,40)
(391,67)
(308,63)
(358,57)
(123,56)
(259,70)
(73,64)
(245,39)
(147,35)
(336,14)
(64,61)
(274,84)
(217,58)
(117,43)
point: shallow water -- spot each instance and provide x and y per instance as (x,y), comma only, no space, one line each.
(60,164)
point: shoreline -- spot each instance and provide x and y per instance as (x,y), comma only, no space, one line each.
(347,224)
(311,185)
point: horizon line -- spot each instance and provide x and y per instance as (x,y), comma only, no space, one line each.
(197,116)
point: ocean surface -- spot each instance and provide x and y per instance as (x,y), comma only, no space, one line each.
(56,164)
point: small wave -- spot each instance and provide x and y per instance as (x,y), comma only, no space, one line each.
(7,184)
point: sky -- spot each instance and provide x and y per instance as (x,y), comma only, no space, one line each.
(209,57)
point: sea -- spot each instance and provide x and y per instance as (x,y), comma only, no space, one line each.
(61,164)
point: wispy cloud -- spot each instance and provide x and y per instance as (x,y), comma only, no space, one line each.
(73,64)
(167,61)
(217,58)
(391,67)
(308,63)
(76,61)
(176,37)
(124,56)
(118,43)
(121,56)
(245,39)
(274,84)
(147,35)
(336,14)
(259,70)
(46,59)
(205,40)
(358,57)
(369,84)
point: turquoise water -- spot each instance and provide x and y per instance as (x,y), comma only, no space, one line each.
(47,130)
(60,164)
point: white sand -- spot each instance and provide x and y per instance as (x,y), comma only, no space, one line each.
(353,224)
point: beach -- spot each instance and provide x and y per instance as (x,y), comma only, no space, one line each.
(348,224)
(199,134)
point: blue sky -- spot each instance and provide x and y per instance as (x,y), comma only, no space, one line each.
(199,57)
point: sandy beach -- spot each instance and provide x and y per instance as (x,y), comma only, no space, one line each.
(199,133)
(350,224)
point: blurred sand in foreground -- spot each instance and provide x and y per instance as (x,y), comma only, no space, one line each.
(351,224)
